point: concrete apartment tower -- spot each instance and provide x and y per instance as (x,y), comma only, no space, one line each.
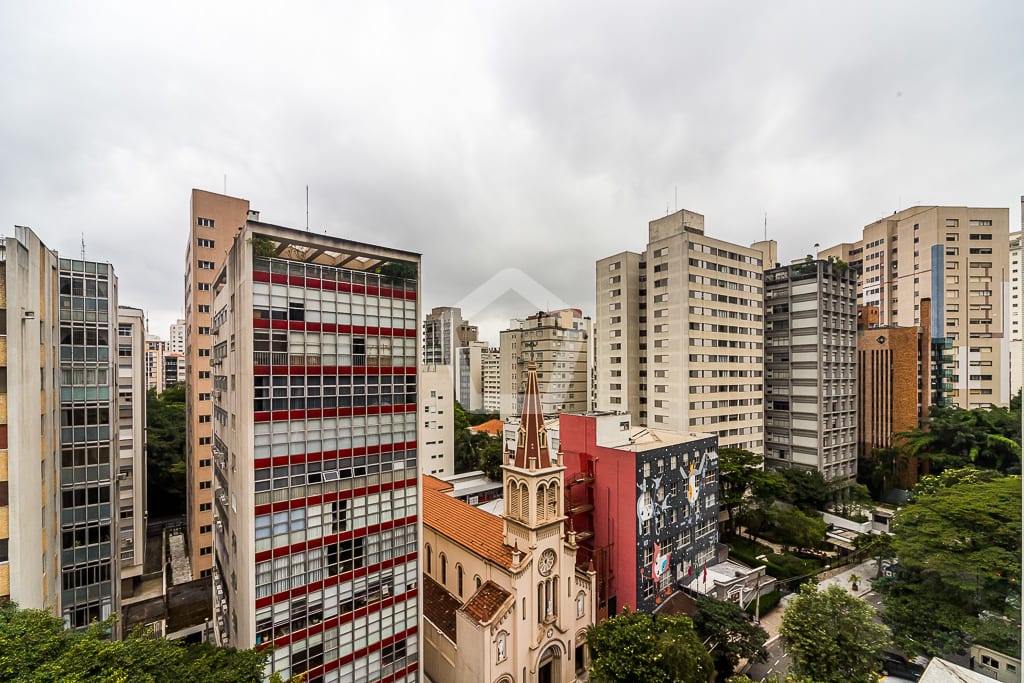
(154,370)
(437,410)
(315,473)
(958,257)
(559,343)
(444,331)
(30,463)
(176,339)
(811,368)
(215,220)
(1014,333)
(490,372)
(132,357)
(60,434)
(682,332)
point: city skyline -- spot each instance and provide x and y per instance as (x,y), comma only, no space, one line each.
(826,122)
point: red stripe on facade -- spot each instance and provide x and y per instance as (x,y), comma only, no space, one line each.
(299,458)
(333,580)
(296,636)
(300,325)
(334,369)
(330,666)
(335,538)
(269,508)
(284,415)
(313,283)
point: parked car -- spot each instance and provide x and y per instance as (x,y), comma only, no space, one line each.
(895,664)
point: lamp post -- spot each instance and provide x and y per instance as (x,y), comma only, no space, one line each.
(757,591)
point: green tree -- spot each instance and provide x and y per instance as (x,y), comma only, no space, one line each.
(35,647)
(793,527)
(737,470)
(932,483)
(633,646)
(165,451)
(728,634)
(877,546)
(959,552)
(987,438)
(831,636)
(809,490)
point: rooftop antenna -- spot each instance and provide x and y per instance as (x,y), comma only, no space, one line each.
(83,246)
(307,208)
(765,226)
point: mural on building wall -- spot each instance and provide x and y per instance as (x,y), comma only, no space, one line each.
(677,528)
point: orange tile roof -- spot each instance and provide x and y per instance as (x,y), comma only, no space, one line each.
(484,605)
(472,528)
(439,606)
(492,427)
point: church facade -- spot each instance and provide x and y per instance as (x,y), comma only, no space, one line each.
(504,600)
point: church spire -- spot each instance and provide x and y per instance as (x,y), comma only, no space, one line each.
(532,439)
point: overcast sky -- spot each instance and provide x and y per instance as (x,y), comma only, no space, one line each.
(537,136)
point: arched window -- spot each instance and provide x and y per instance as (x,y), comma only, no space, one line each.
(541,497)
(477,580)
(458,578)
(444,570)
(552,502)
(513,498)
(428,553)
(524,503)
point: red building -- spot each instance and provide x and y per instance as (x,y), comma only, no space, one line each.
(643,504)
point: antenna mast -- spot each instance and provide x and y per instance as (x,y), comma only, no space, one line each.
(307,208)
(83,246)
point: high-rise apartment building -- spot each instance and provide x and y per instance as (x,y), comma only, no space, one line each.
(60,545)
(30,446)
(490,372)
(315,491)
(894,385)
(444,331)
(811,368)
(132,356)
(958,257)
(174,370)
(154,370)
(470,370)
(681,327)
(1014,328)
(176,339)
(437,409)
(215,220)
(559,343)
(89,559)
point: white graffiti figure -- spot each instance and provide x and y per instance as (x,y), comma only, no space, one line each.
(644,508)
(694,480)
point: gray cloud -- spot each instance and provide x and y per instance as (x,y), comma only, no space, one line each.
(537,136)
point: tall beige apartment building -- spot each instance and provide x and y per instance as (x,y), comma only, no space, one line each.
(490,370)
(958,257)
(215,220)
(681,329)
(1015,372)
(559,343)
(132,382)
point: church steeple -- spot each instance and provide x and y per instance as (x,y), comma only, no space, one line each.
(532,439)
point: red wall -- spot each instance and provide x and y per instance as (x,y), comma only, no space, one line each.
(614,495)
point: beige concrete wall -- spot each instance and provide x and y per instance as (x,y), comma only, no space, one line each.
(229,215)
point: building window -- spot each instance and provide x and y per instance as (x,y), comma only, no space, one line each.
(204,374)
(444,570)
(206,529)
(204,353)
(204,397)
(205,265)
(204,222)
(205,440)
(205,243)
(430,555)
(205,507)
(204,418)
(203,308)
(205,484)
(204,286)
(458,578)
(206,550)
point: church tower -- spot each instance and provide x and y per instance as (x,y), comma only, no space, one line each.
(533,483)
